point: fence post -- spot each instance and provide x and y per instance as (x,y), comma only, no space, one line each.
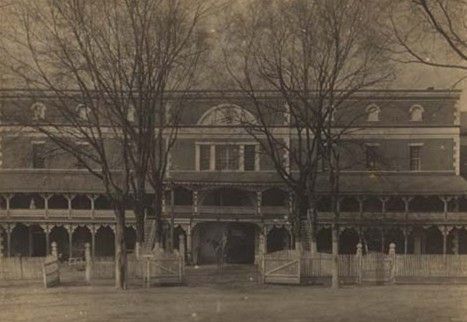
(392,258)
(181,247)
(1,256)
(88,262)
(359,256)
(54,250)
(1,246)
(137,250)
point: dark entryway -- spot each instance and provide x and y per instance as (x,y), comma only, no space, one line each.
(238,240)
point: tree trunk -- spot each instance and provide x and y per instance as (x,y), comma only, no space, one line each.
(335,257)
(139,216)
(158,195)
(120,249)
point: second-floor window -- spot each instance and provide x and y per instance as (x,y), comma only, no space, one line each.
(38,155)
(371,157)
(227,157)
(415,157)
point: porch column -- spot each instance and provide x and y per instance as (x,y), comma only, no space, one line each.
(7,201)
(70,230)
(455,248)
(9,229)
(259,201)
(189,244)
(383,250)
(92,198)
(383,200)
(335,256)
(46,230)
(46,198)
(195,202)
(406,232)
(93,229)
(69,198)
(30,244)
(445,231)
(417,243)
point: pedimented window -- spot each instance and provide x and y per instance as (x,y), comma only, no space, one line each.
(372,112)
(416,113)
(38,111)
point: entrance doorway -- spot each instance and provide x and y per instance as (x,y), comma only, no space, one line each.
(238,240)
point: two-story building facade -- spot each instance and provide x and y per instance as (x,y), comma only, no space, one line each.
(400,181)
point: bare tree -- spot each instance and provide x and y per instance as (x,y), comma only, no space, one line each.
(315,55)
(119,58)
(430,32)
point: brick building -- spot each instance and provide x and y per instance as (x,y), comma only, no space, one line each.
(401,181)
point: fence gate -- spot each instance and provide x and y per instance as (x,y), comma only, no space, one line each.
(376,268)
(281,267)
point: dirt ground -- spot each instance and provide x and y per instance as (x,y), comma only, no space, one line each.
(226,300)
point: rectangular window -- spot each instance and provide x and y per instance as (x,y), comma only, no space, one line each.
(38,155)
(371,157)
(249,157)
(415,159)
(227,157)
(204,157)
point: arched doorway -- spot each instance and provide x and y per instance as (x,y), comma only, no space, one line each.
(238,239)
(81,236)
(105,242)
(20,240)
(59,235)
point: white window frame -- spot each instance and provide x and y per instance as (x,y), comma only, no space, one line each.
(420,145)
(212,161)
(376,112)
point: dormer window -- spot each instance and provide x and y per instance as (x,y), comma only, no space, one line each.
(372,112)
(416,113)
(131,114)
(83,112)
(38,111)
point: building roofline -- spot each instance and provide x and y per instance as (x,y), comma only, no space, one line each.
(230,93)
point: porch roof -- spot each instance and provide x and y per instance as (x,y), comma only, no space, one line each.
(80,181)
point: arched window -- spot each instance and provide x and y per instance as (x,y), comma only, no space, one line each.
(226,115)
(372,112)
(416,113)
(83,112)
(38,111)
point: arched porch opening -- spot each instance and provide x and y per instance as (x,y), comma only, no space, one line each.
(324,240)
(348,241)
(20,240)
(426,204)
(278,239)
(81,202)
(349,204)
(130,238)
(395,204)
(372,204)
(58,202)
(59,234)
(178,231)
(372,239)
(105,242)
(81,236)
(434,241)
(274,197)
(183,196)
(394,235)
(102,203)
(27,201)
(38,241)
